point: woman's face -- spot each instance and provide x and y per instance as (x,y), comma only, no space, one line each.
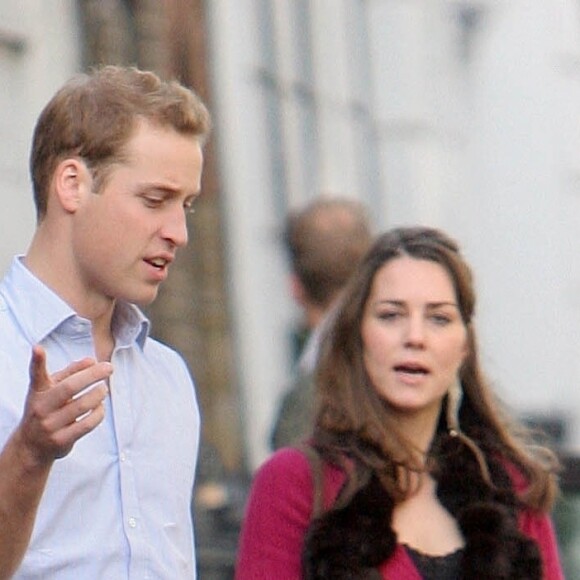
(414,339)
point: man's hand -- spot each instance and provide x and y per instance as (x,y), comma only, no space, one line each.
(60,408)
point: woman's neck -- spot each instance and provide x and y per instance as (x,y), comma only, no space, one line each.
(418,430)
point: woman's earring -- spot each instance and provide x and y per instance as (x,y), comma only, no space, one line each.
(454,396)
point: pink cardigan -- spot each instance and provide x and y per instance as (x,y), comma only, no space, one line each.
(280,508)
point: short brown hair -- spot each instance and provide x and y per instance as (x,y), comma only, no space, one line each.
(326,240)
(93,116)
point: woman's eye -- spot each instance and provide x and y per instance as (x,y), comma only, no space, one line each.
(440,319)
(390,315)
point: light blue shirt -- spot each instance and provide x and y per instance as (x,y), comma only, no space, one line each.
(118,506)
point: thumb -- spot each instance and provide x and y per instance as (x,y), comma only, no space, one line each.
(39,379)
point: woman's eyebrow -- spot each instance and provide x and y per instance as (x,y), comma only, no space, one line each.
(442,304)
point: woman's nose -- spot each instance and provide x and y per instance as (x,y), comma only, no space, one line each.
(415,333)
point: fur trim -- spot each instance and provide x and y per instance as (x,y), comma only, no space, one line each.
(487,517)
(351,541)
(495,549)
(348,542)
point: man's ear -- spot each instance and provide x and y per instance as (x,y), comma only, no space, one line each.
(72,180)
(297,289)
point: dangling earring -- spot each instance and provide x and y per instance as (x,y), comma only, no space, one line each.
(454,397)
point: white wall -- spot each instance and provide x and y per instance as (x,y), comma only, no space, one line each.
(28,77)
(524,204)
(256,269)
(472,128)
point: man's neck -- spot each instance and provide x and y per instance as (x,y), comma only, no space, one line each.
(104,343)
(51,266)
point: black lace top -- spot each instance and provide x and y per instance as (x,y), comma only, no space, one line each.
(445,567)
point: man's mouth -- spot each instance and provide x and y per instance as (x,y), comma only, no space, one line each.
(159,263)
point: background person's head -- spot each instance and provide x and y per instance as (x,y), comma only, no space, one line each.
(325,241)
(93,116)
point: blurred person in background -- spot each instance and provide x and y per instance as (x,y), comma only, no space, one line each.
(414,469)
(100,437)
(325,241)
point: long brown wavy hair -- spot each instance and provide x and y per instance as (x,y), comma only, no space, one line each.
(352,420)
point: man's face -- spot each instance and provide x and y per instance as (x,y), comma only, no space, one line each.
(126,236)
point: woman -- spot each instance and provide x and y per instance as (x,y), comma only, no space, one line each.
(413,470)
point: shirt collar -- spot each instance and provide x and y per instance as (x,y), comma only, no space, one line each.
(39,311)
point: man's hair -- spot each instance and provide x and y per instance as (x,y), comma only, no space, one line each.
(93,116)
(326,240)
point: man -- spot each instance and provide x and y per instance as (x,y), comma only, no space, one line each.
(100,439)
(325,241)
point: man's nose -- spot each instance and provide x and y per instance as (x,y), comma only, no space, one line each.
(175,227)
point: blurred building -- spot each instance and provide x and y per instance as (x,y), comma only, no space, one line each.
(44,43)
(38,51)
(458,113)
(463,114)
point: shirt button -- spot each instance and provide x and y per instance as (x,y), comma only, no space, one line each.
(122,456)
(132,523)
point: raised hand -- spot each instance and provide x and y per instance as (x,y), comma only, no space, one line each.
(61,408)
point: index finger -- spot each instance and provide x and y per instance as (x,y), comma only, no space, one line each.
(39,378)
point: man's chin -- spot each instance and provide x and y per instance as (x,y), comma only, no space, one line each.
(145,299)
(145,302)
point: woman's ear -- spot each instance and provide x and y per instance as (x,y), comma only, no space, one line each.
(468,346)
(72,180)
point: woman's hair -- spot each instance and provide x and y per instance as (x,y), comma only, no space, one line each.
(93,116)
(352,419)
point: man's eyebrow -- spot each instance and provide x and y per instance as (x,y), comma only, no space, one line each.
(168,191)
(159,187)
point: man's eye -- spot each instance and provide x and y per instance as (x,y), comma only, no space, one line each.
(153,201)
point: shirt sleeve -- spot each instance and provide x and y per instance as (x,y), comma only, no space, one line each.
(277,515)
(540,527)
